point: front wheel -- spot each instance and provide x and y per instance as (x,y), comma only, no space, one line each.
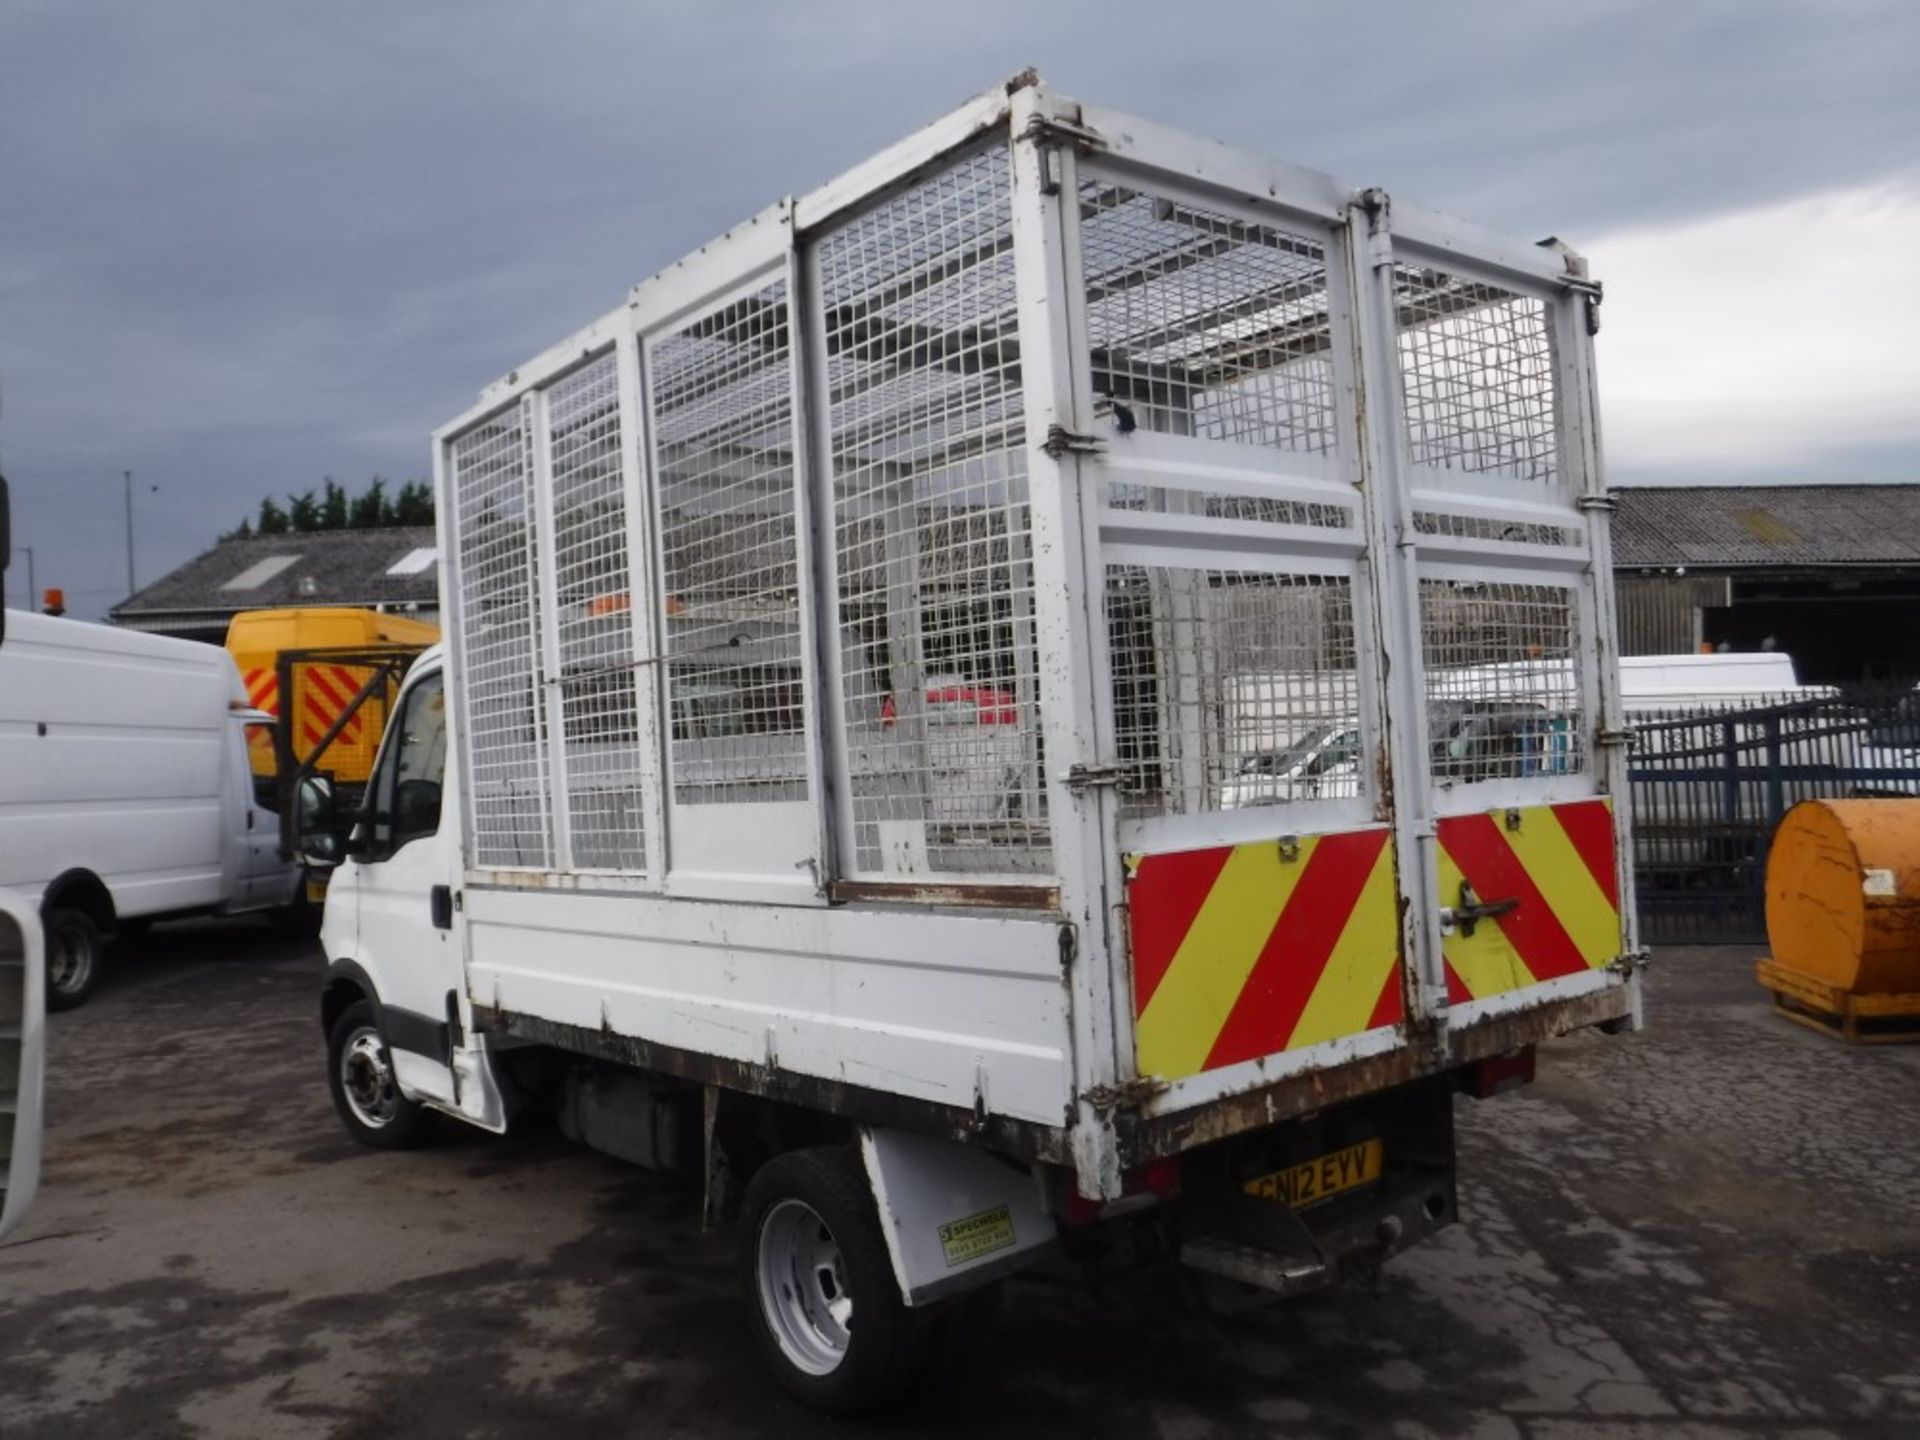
(360,1078)
(828,1317)
(74,953)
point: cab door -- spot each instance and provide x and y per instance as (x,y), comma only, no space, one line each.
(400,878)
(261,878)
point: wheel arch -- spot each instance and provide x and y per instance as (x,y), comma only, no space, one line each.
(80,889)
(345,984)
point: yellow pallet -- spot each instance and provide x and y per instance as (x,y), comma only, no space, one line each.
(1894,1019)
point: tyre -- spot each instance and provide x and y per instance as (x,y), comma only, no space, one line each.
(360,1079)
(75,951)
(827,1315)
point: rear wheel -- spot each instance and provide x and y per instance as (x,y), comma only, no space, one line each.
(360,1079)
(828,1318)
(74,953)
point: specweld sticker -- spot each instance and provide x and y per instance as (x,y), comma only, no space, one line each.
(976,1235)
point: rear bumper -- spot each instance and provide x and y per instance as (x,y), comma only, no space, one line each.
(1145,1136)
(1226,1231)
(1271,1249)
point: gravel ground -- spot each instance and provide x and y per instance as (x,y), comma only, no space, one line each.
(1711,1229)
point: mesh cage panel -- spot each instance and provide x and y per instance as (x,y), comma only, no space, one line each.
(499,633)
(931,529)
(599,698)
(1205,325)
(1503,684)
(722,397)
(1477,376)
(1232,689)
(1492,527)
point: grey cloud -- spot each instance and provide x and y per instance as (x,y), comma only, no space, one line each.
(244,246)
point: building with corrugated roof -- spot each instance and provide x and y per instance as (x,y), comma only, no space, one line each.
(1830,574)
(393,569)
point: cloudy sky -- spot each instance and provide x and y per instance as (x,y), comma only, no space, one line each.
(246,245)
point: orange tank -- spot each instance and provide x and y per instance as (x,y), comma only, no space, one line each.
(1843,894)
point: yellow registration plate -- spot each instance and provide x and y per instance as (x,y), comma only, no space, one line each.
(1322,1178)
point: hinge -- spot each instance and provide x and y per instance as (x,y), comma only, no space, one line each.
(1630,962)
(1062,441)
(1378,206)
(1621,739)
(1049,134)
(1124,1094)
(1606,501)
(1591,295)
(1081,778)
(1064,132)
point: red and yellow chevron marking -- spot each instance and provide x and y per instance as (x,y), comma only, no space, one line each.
(1558,862)
(1240,952)
(263,690)
(325,693)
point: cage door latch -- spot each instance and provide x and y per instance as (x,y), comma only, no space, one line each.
(1081,778)
(1472,910)
(1062,441)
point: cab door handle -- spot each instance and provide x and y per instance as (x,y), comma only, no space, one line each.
(440,899)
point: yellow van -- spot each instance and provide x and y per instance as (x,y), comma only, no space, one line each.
(322,690)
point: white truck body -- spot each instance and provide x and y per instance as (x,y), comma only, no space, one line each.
(123,758)
(1055,405)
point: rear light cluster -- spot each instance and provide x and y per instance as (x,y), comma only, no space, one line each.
(1498,1073)
(1153,1182)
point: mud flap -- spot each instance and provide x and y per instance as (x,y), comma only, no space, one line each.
(954,1216)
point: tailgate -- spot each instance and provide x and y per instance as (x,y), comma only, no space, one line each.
(1359,634)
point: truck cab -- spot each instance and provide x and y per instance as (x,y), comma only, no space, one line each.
(391,934)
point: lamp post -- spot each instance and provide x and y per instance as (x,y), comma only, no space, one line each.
(127,476)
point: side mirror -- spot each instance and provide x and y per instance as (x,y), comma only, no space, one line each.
(322,839)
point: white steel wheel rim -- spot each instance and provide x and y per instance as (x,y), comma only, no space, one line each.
(366,1079)
(71,961)
(803,1288)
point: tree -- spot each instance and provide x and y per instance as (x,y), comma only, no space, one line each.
(335,509)
(414,504)
(333,506)
(370,510)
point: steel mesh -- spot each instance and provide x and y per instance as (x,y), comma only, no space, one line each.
(499,633)
(1232,689)
(1477,376)
(722,396)
(1502,680)
(1492,527)
(1205,325)
(599,685)
(931,529)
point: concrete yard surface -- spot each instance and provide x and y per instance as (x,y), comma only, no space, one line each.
(1708,1230)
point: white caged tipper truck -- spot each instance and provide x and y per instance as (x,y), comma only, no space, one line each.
(820,787)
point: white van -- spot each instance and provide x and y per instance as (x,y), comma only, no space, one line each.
(125,793)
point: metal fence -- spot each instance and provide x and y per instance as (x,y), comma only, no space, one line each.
(1709,785)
